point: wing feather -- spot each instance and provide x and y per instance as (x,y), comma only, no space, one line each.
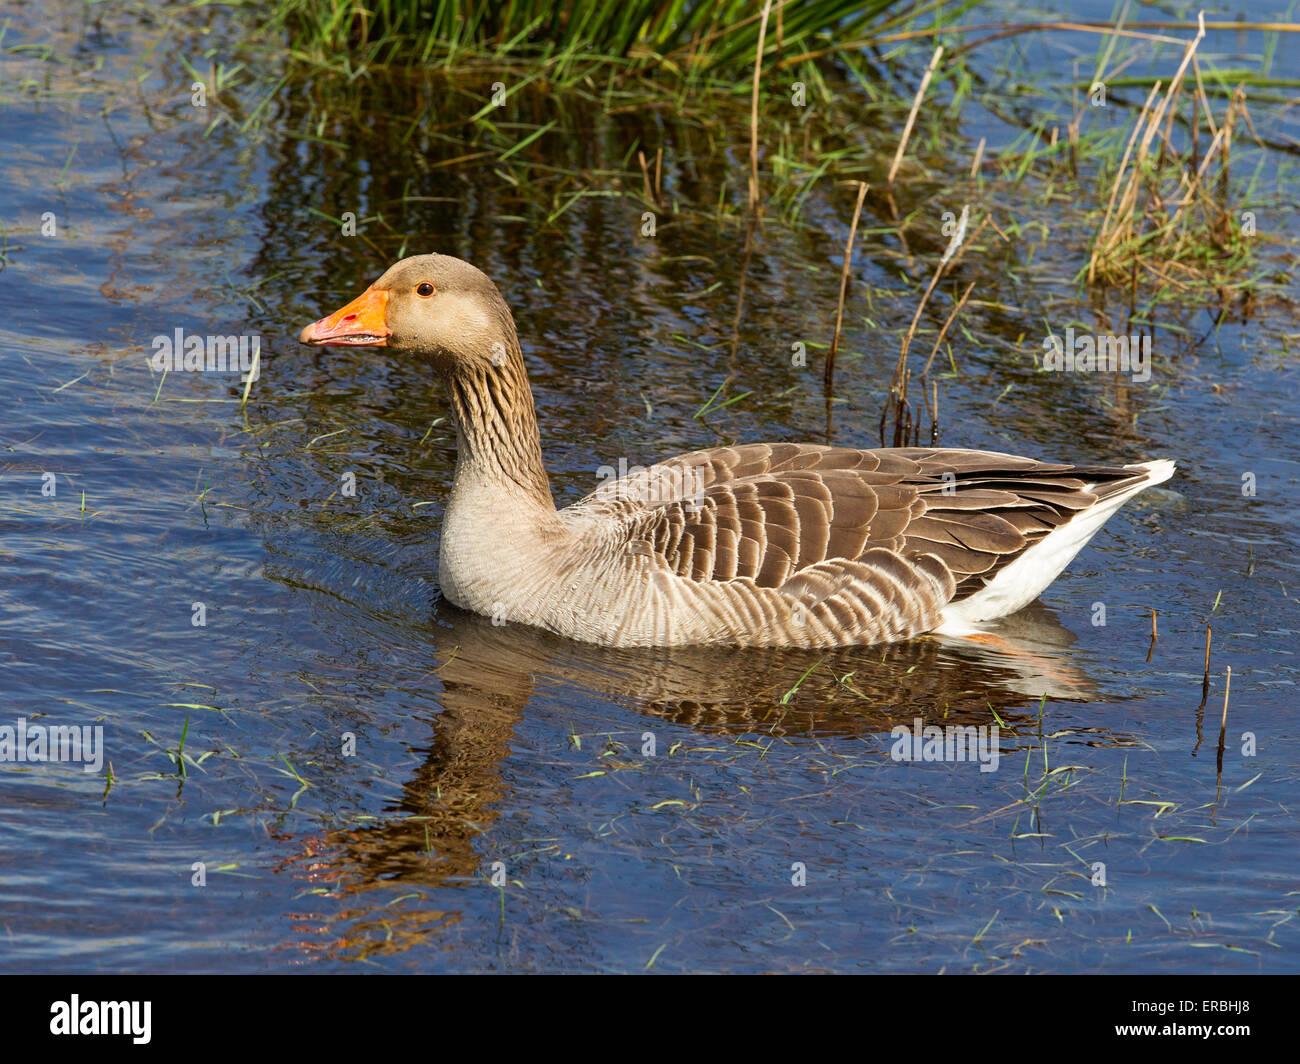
(777,513)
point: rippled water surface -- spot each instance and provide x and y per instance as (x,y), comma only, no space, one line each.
(375,780)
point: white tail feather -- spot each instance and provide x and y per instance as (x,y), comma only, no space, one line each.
(1019,583)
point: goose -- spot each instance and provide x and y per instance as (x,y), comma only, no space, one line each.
(758,544)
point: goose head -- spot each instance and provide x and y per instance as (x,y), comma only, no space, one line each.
(449,314)
(435,306)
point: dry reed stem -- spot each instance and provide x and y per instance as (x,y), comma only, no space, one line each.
(1205,686)
(897,400)
(911,117)
(934,413)
(1223,724)
(952,316)
(753,112)
(950,255)
(1200,92)
(645,175)
(829,376)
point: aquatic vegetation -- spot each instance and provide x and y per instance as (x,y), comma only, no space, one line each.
(719,37)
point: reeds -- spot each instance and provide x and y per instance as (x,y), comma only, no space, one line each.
(1168,216)
(720,36)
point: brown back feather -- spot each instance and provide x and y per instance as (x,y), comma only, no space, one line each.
(769,511)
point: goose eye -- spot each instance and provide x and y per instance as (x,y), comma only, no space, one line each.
(424,289)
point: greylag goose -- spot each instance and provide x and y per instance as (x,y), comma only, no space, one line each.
(761,544)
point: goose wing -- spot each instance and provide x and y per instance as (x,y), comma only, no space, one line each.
(770,512)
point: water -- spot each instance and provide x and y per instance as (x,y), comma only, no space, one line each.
(638,809)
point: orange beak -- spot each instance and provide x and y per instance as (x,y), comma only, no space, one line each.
(362,323)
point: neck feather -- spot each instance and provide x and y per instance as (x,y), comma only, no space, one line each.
(496,425)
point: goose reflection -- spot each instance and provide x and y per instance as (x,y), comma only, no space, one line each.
(430,835)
